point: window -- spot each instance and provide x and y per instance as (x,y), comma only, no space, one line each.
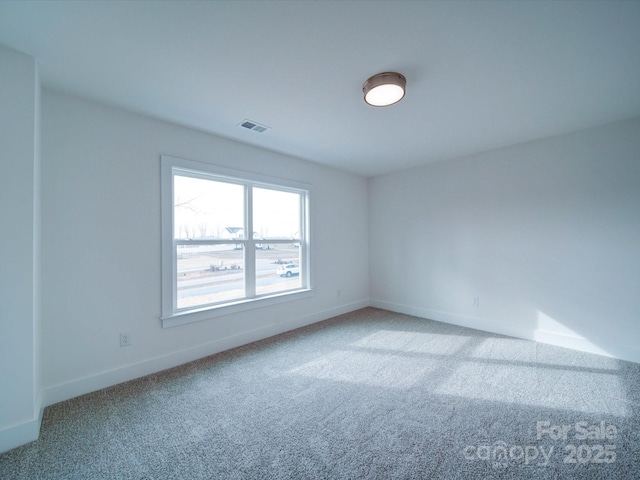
(231,240)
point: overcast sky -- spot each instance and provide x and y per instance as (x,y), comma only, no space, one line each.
(206,208)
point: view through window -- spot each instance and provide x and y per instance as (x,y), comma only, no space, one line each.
(234,239)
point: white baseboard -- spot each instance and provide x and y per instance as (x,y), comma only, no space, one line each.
(573,342)
(608,349)
(22,433)
(77,387)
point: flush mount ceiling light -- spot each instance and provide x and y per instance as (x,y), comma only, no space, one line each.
(384,89)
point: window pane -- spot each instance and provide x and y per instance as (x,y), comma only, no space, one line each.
(276,214)
(209,274)
(278,268)
(206,209)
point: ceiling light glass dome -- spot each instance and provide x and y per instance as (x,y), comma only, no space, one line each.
(384,89)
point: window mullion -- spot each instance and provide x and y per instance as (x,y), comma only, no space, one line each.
(250,247)
(304,246)
(174,256)
(174,272)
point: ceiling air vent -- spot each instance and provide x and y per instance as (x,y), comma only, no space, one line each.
(255,126)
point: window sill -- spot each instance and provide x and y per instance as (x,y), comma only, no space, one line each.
(206,313)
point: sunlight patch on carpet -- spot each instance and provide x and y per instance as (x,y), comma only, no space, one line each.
(366,368)
(395,340)
(560,388)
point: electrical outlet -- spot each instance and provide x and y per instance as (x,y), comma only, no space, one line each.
(476,301)
(125,339)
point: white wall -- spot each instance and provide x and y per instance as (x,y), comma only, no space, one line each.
(19,256)
(546,235)
(101,245)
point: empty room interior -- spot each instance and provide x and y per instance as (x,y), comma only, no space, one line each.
(320,239)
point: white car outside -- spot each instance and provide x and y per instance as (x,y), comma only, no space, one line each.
(288,270)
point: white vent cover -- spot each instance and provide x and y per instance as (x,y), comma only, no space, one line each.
(255,126)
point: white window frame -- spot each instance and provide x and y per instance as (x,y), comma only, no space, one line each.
(171,315)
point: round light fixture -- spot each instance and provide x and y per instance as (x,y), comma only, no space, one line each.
(384,89)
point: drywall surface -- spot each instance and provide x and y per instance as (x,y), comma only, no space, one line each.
(101,245)
(543,237)
(19,409)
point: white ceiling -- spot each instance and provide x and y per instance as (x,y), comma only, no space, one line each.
(480,75)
